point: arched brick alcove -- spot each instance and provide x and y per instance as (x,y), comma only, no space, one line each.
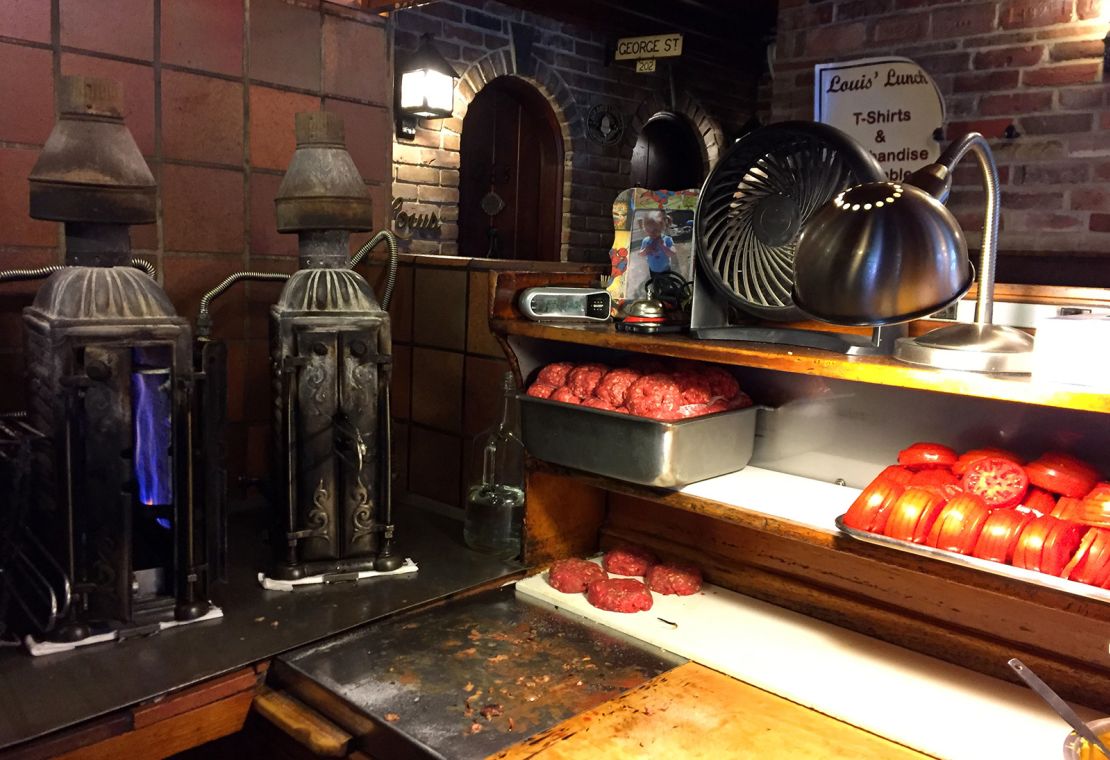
(711,137)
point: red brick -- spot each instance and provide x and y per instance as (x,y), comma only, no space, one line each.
(14,296)
(25,20)
(1004,58)
(272,113)
(138,92)
(1025,14)
(968,174)
(835,40)
(265,239)
(1050,221)
(1102,171)
(202,118)
(849,10)
(18,227)
(1025,201)
(1090,199)
(203,34)
(989,128)
(901,28)
(1100,222)
(1063,74)
(188,277)
(1015,103)
(945,63)
(27,81)
(285,44)
(989,82)
(1086,9)
(1073,31)
(369,132)
(1104,121)
(356,64)
(202,209)
(964,20)
(1070,51)
(1054,124)
(1052,174)
(1081,97)
(120,27)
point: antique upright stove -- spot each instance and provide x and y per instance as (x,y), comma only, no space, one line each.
(111,387)
(331,352)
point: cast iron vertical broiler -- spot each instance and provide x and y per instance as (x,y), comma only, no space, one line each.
(111,387)
(331,354)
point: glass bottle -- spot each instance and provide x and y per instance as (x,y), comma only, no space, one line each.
(495,504)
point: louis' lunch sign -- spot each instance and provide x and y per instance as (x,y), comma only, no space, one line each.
(890,105)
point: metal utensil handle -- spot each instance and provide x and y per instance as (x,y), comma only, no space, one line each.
(1045,692)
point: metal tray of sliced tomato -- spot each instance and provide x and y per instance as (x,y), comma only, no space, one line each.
(1045,522)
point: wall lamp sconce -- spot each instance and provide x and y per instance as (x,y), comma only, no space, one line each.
(427,88)
(883,252)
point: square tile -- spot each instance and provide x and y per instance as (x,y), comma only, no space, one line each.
(262,295)
(479,340)
(399,465)
(272,135)
(15,296)
(439,315)
(25,20)
(369,138)
(259,450)
(285,44)
(202,209)
(356,60)
(264,236)
(434,465)
(202,118)
(13,380)
(400,391)
(437,389)
(187,278)
(119,27)
(27,81)
(203,34)
(18,227)
(485,395)
(400,307)
(257,379)
(138,92)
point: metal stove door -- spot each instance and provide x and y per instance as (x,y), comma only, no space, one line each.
(317,404)
(357,441)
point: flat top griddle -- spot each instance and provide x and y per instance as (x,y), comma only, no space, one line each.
(426,677)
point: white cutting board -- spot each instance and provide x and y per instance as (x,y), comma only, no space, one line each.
(918,701)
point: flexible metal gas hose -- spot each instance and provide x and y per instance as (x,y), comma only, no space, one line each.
(17,275)
(391,275)
(204,320)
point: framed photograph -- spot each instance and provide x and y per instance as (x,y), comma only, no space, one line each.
(652,234)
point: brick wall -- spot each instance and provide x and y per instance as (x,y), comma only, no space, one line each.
(570,66)
(211,87)
(1033,64)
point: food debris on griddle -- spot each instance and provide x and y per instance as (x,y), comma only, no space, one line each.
(490,712)
(392,717)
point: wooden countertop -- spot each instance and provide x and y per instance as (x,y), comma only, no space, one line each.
(693,711)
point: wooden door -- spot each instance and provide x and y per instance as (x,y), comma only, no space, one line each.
(512,158)
(667,155)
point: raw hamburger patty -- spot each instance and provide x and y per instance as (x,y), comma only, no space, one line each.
(655,396)
(619,595)
(584,378)
(541,390)
(628,560)
(682,580)
(613,388)
(599,403)
(566,395)
(573,576)
(555,374)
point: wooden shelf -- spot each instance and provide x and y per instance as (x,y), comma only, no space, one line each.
(807,361)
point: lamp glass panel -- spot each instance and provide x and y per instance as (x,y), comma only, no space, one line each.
(427,93)
(412,89)
(439,90)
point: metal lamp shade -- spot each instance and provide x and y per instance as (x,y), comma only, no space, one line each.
(428,83)
(880,253)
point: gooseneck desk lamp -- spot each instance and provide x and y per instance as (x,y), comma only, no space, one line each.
(883,252)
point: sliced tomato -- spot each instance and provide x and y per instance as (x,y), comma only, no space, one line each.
(1060,546)
(1091,563)
(1062,473)
(897,473)
(961,465)
(1000,535)
(1095,507)
(870,509)
(912,516)
(1038,501)
(959,524)
(934,477)
(1067,508)
(923,455)
(999,481)
(1031,541)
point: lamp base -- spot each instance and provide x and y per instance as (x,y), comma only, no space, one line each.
(970,347)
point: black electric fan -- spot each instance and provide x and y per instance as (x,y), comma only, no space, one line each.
(752,209)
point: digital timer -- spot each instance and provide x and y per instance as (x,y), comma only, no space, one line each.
(543,304)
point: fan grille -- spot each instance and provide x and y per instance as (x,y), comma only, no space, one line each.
(757,201)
